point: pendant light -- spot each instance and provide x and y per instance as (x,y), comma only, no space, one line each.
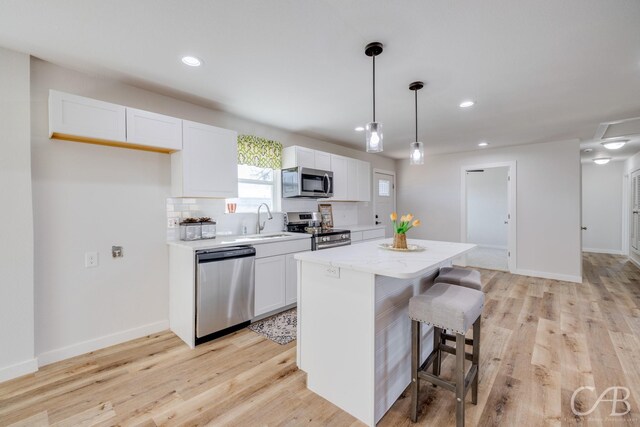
(374,129)
(416,155)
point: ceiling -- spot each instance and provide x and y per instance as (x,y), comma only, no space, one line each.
(539,70)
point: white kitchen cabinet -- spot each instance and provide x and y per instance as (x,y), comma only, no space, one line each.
(77,118)
(270,291)
(352,179)
(339,167)
(298,156)
(152,129)
(291,281)
(322,160)
(377,233)
(207,164)
(364,181)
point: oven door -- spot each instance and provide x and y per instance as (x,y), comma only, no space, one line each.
(317,246)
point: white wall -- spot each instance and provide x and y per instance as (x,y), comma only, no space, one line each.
(16,219)
(602,207)
(487,207)
(89,197)
(548,202)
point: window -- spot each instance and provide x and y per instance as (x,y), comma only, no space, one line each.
(256,185)
(384,188)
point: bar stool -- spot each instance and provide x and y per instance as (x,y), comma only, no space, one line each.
(455,308)
(460,276)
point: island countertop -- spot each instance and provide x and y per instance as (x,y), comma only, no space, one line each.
(369,257)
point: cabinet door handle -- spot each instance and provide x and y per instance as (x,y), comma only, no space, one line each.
(583,228)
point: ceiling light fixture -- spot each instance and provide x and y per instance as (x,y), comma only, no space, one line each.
(191,61)
(602,160)
(359,129)
(483,144)
(467,104)
(588,150)
(416,156)
(374,129)
(615,145)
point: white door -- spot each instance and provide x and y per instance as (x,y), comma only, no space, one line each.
(270,284)
(384,199)
(635,209)
(291,291)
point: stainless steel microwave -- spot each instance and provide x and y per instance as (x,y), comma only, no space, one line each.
(306,182)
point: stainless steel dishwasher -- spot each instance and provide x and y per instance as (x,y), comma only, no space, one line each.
(225,288)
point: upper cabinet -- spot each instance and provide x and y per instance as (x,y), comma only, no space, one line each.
(75,118)
(207,164)
(153,129)
(351,177)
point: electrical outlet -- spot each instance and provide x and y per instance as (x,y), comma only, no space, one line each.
(173,222)
(332,272)
(91,259)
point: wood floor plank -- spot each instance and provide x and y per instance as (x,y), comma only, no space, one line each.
(541,340)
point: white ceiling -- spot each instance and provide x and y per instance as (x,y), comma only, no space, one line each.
(540,70)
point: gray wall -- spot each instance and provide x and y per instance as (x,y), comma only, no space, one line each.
(548,202)
(16,219)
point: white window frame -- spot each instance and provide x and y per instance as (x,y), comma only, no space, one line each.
(272,183)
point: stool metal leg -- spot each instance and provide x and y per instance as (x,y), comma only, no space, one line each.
(476,360)
(415,365)
(437,340)
(460,374)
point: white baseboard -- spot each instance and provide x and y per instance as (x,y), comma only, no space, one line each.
(603,251)
(636,263)
(101,342)
(554,276)
(18,370)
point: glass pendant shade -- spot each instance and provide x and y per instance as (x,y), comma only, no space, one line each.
(417,153)
(374,137)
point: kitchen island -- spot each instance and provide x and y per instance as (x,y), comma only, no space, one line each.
(353,325)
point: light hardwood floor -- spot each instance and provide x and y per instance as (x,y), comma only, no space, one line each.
(541,340)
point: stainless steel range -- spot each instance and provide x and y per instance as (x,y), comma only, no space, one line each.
(322,238)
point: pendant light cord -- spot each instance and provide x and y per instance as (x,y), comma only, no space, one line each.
(416,93)
(374,88)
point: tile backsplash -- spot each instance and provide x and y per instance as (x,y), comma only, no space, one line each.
(344,213)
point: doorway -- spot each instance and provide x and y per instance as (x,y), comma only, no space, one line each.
(488,215)
(384,199)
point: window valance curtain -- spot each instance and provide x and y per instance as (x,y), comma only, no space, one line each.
(260,152)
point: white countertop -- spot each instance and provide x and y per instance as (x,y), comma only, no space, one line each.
(368,257)
(222,241)
(356,228)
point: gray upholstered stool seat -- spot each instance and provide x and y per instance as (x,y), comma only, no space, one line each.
(460,276)
(454,308)
(448,307)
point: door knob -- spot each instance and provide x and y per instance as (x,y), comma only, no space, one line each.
(583,228)
(506,222)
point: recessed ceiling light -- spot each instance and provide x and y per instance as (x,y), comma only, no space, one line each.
(602,160)
(483,144)
(614,145)
(191,61)
(466,104)
(359,129)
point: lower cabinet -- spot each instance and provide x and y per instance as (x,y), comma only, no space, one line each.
(291,282)
(270,284)
(276,283)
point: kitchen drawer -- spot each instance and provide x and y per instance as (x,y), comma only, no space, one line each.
(373,234)
(281,248)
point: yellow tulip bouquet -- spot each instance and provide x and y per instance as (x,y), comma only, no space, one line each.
(401,227)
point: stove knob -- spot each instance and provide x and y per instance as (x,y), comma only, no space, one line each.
(344,236)
(325,239)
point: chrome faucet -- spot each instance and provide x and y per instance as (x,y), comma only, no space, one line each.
(259,227)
